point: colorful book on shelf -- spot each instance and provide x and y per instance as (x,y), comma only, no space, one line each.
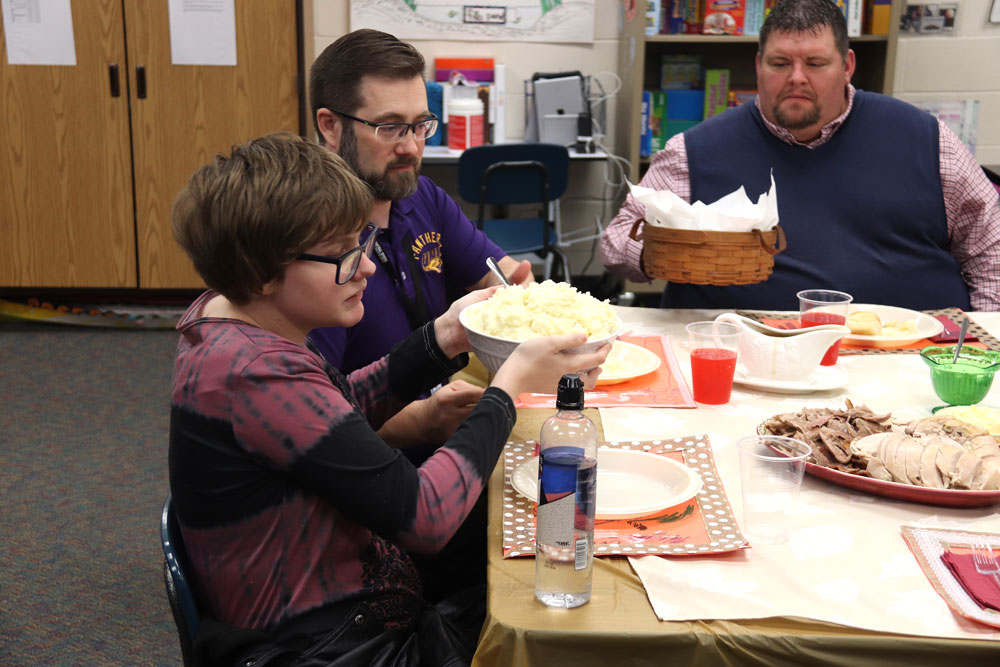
(853,11)
(644,137)
(654,16)
(694,15)
(878,15)
(657,118)
(753,17)
(675,14)
(855,17)
(716,91)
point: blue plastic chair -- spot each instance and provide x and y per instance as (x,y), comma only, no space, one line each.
(500,175)
(179,593)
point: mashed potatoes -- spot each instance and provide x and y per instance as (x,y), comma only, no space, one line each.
(542,309)
(985,418)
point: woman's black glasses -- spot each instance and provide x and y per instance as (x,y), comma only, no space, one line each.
(348,263)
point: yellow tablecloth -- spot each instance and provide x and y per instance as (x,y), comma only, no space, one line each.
(618,625)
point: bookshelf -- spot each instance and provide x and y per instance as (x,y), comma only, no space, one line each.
(639,69)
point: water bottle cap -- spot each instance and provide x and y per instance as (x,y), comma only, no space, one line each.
(570,395)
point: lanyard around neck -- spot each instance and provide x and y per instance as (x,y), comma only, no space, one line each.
(417,313)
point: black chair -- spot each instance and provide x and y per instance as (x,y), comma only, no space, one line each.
(501,175)
(179,593)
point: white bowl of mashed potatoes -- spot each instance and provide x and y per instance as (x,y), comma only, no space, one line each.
(514,314)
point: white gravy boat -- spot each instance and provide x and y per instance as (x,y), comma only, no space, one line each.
(782,354)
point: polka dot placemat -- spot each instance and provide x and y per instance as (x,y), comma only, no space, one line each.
(703,525)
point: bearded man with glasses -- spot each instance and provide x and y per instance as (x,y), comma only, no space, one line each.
(369,104)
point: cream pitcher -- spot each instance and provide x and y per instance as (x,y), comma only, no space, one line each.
(782,354)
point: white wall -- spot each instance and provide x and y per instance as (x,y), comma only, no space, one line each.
(964,66)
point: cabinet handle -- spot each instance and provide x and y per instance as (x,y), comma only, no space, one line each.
(140,82)
(113,78)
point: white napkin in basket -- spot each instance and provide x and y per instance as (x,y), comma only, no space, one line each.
(732,213)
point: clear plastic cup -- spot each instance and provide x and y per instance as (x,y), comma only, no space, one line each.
(824,306)
(771,468)
(714,346)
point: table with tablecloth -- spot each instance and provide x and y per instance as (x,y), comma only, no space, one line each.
(845,590)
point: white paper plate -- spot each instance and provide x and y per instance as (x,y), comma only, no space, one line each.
(628,361)
(927,326)
(823,378)
(629,483)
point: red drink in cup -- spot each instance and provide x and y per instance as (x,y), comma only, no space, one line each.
(712,371)
(824,306)
(713,360)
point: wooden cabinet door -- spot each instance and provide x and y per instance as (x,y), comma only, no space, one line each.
(66,215)
(191,113)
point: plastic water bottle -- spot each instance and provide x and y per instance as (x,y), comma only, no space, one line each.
(567,499)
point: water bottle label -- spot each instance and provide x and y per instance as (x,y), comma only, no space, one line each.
(555,522)
(557,471)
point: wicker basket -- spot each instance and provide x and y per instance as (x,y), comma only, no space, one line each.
(709,258)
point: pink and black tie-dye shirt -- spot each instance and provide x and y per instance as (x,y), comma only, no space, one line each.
(288,500)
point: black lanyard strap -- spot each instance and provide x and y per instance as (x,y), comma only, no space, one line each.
(417,313)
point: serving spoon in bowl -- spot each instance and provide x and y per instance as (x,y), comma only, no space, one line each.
(495,268)
(961,337)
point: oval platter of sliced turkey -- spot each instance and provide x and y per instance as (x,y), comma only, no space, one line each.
(923,464)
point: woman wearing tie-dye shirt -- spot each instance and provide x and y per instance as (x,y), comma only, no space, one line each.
(295,515)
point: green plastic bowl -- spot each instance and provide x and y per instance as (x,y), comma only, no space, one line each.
(965,382)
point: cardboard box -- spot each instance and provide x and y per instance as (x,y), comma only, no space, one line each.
(724,17)
(738,97)
(679,70)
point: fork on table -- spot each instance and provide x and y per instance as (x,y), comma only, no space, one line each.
(985,561)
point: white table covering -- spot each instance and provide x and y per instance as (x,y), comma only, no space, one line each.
(846,562)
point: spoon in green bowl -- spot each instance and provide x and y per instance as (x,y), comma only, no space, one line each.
(961,338)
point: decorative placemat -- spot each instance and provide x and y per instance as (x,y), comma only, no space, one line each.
(663,388)
(985,339)
(703,525)
(928,546)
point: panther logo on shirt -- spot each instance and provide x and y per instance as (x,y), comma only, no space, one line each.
(427,250)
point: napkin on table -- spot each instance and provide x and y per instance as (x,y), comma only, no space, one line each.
(982,588)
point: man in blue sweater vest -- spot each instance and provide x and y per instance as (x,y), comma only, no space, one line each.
(876,197)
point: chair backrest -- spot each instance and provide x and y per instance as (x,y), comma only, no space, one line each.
(179,593)
(513,184)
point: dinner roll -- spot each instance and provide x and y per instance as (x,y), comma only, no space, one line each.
(864,323)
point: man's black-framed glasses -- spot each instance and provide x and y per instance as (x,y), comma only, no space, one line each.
(348,263)
(393,133)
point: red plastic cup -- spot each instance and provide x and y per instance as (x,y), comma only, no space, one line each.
(824,306)
(713,360)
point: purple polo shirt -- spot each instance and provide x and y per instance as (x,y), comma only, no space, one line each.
(449,250)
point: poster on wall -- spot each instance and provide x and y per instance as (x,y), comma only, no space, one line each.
(39,32)
(202,32)
(491,20)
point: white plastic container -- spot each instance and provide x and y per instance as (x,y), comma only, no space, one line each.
(465,123)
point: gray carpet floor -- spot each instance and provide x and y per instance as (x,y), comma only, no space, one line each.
(84,417)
